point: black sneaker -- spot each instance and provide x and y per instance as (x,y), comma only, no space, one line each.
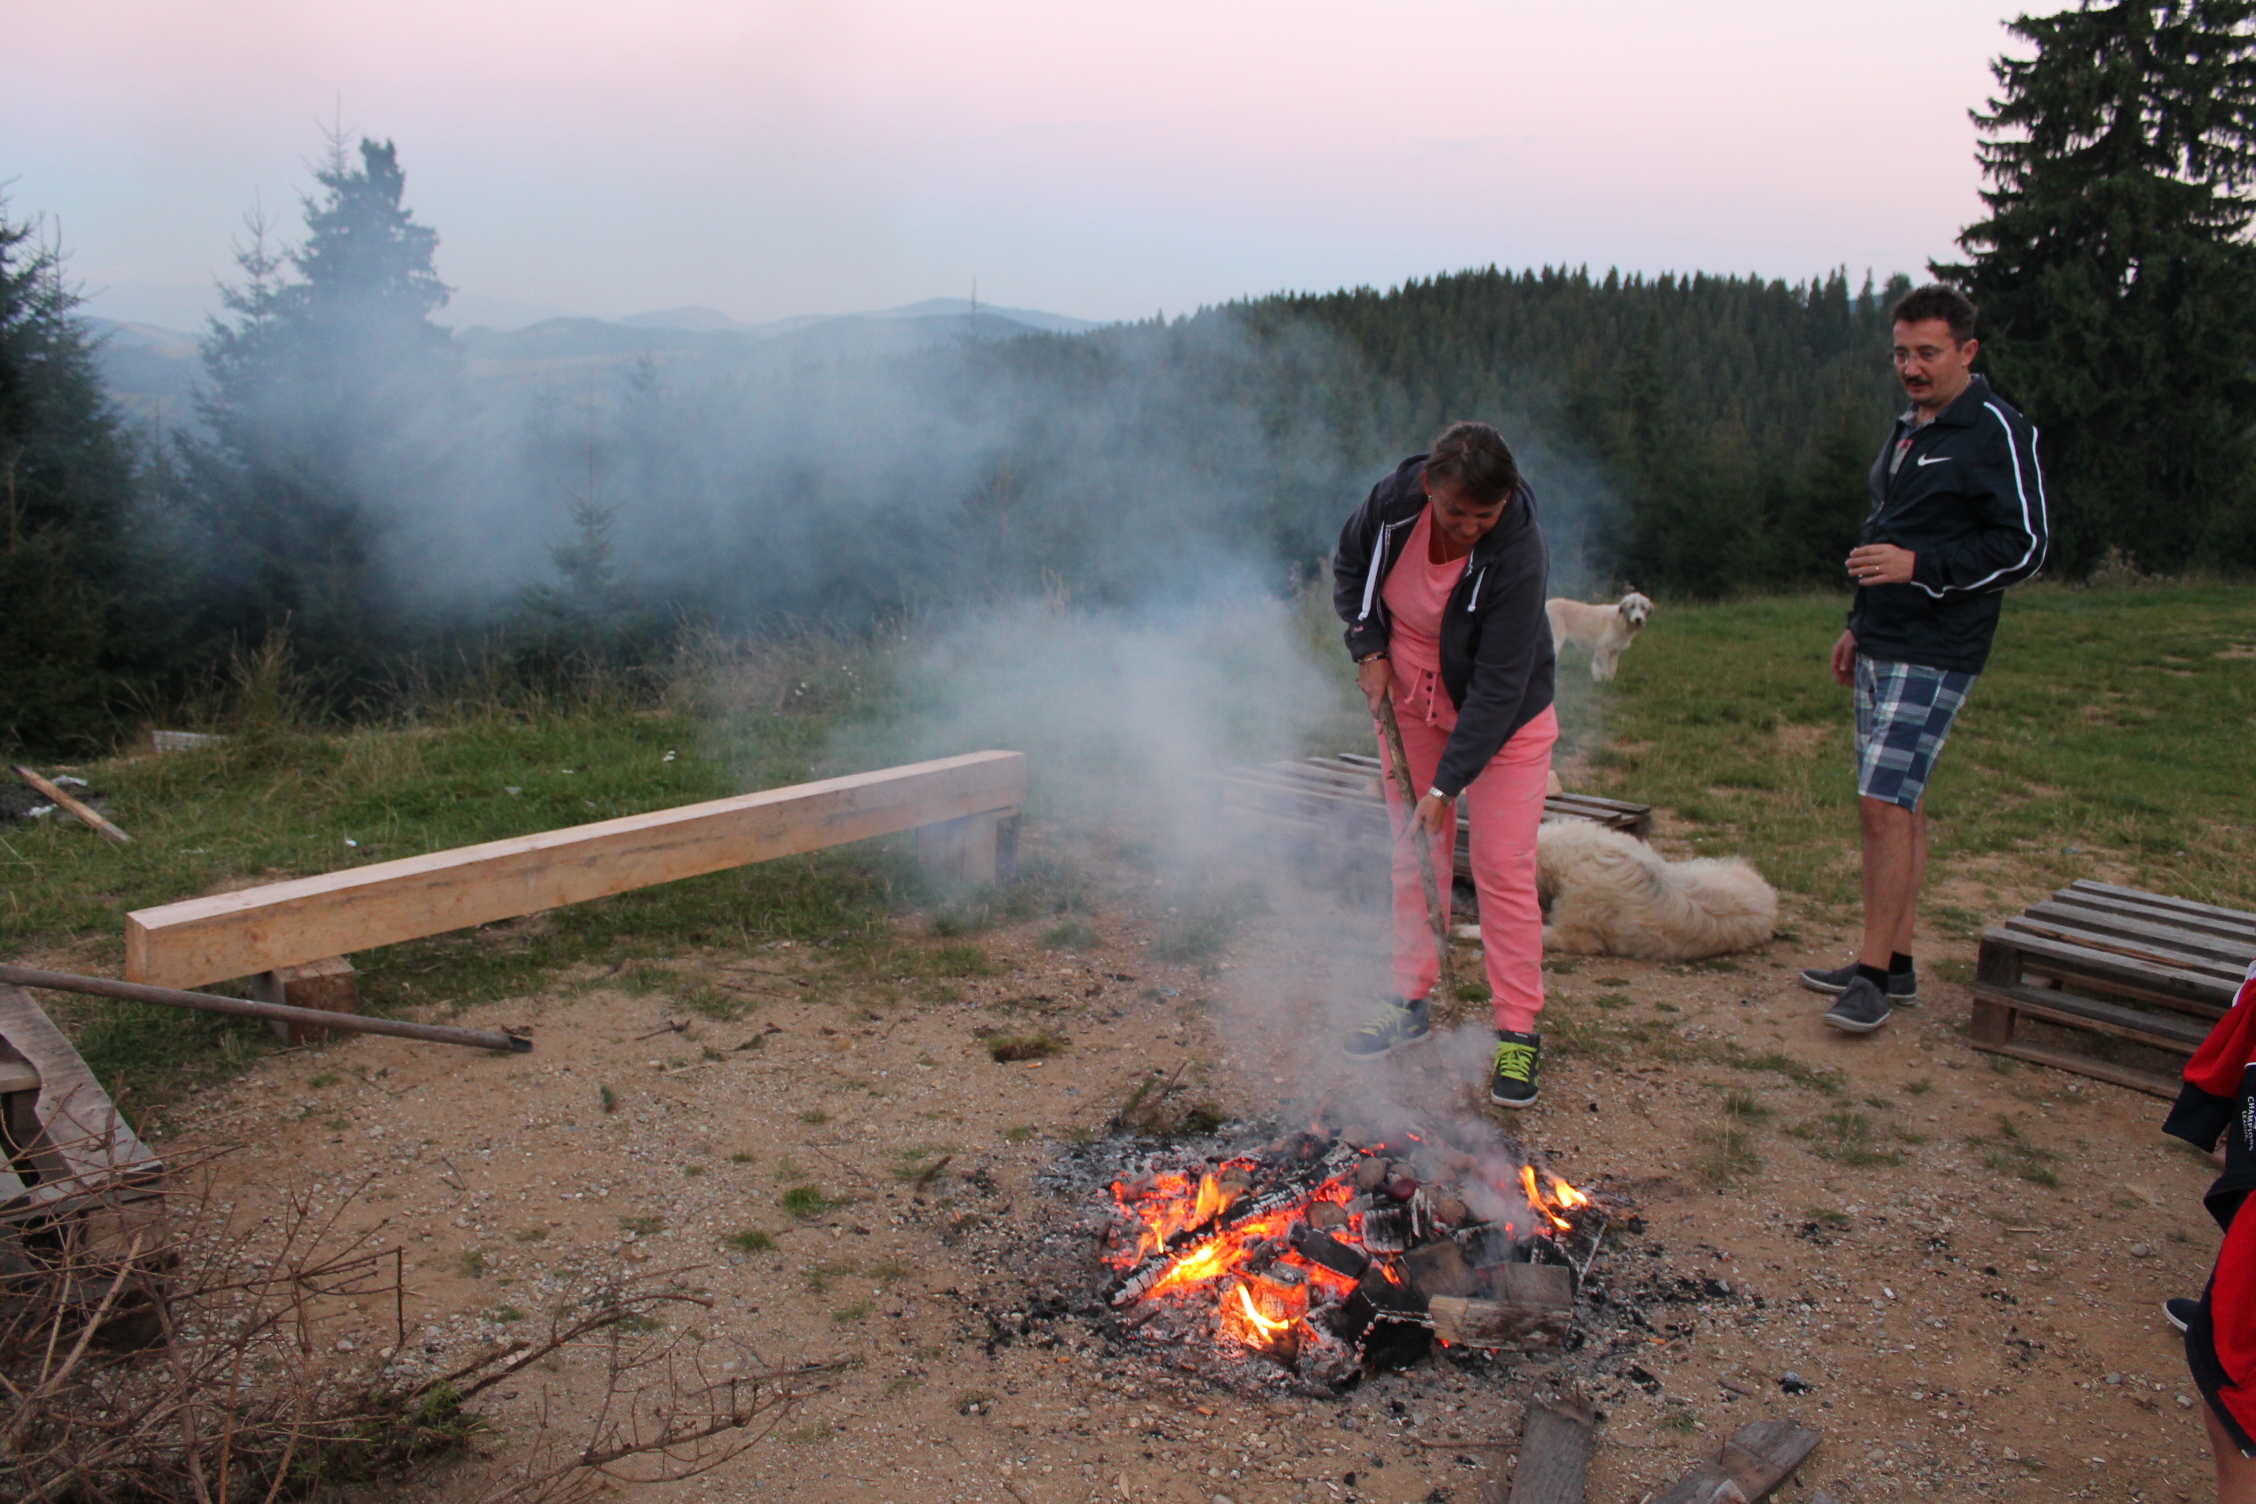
(1511,1077)
(1861,1008)
(2179,1311)
(1903,986)
(1399,1023)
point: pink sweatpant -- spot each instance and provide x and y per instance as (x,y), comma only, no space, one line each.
(1506,805)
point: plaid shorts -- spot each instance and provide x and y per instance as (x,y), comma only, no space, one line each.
(1903,713)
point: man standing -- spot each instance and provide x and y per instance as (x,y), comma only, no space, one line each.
(1958,514)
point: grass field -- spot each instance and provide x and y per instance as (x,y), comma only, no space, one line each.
(2111,730)
(284,799)
(2107,739)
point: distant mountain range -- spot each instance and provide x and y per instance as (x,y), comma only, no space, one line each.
(150,369)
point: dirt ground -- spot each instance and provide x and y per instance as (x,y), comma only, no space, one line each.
(1964,1331)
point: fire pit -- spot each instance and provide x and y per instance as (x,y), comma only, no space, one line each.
(1303,1262)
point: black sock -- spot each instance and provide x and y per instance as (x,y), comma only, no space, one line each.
(1874,975)
(1899,965)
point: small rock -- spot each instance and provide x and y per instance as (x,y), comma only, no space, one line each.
(2114,1378)
(2142,1250)
(1224,1499)
(1793,1383)
(2185,1402)
(344,1344)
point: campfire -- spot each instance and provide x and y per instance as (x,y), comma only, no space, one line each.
(1319,1256)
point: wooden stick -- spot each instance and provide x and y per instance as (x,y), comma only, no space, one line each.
(1416,834)
(318,1018)
(84,815)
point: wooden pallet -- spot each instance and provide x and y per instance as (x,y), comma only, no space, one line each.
(2111,960)
(81,1197)
(67,1149)
(1339,798)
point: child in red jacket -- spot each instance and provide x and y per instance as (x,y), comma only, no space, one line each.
(2219,1101)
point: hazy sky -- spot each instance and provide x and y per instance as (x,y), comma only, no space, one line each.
(1107,160)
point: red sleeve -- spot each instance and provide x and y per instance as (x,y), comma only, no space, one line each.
(2216,1067)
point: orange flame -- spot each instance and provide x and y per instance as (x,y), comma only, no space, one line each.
(1265,1325)
(1535,1199)
(1566,1195)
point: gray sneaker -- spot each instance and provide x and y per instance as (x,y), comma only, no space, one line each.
(1903,987)
(1399,1023)
(1861,1009)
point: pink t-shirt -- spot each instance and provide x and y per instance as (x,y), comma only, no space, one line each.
(1416,593)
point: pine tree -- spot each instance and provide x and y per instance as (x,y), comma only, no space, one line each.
(325,409)
(66,486)
(2116,281)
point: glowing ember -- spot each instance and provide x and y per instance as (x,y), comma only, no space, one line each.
(1310,1254)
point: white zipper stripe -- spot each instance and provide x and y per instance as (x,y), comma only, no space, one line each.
(1378,566)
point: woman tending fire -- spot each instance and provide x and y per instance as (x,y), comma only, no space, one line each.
(1440,577)
(2219,1101)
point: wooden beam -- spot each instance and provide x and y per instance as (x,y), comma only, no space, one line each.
(312,918)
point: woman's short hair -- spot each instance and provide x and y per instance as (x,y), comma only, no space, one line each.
(1475,457)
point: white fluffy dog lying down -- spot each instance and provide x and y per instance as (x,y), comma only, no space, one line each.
(1609,894)
(1606,630)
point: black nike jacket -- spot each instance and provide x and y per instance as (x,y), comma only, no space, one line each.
(1967,498)
(1496,659)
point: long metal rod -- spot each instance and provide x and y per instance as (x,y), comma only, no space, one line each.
(1417,836)
(317,1018)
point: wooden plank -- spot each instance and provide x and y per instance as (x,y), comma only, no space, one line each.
(290,923)
(1755,1461)
(1763,1454)
(2140,895)
(1555,1443)
(17,1075)
(2184,1035)
(2154,952)
(1994,966)
(2133,977)
(2151,1082)
(2226,930)
(78,811)
(85,1150)
(2236,953)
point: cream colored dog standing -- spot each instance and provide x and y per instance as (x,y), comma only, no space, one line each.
(1605,630)
(1607,893)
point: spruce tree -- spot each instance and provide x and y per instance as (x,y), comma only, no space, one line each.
(2116,281)
(66,486)
(326,409)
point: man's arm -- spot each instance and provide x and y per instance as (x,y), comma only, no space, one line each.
(2014,533)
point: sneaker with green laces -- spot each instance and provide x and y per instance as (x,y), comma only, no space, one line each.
(1400,1022)
(1511,1079)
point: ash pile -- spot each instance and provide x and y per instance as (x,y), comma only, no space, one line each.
(1301,1262)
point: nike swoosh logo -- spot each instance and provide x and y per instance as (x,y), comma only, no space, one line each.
(1934,459)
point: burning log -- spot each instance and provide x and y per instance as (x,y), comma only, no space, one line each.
(1319,1247)
(1277,1253)
(1440,1269)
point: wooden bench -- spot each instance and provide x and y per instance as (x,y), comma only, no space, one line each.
(2111,960)
(291,936)
(1338,799)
